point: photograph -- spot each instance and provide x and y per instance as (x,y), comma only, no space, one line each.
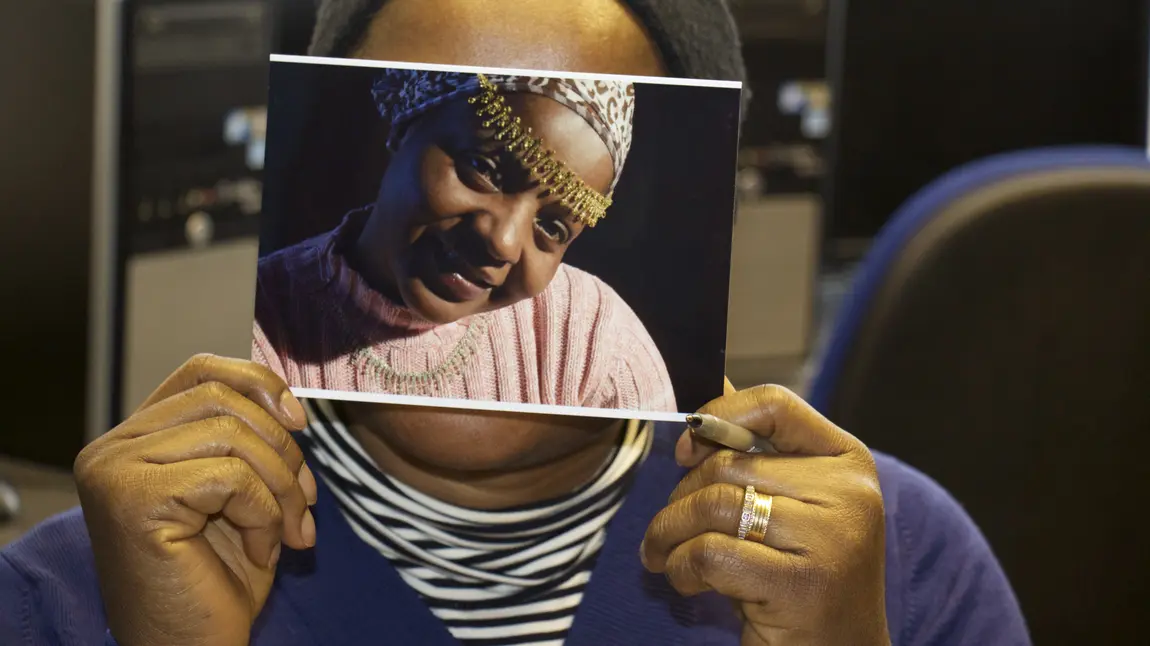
(536,241)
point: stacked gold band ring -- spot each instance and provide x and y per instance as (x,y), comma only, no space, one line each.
(756,515)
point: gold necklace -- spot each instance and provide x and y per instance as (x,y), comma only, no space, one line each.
(392,381)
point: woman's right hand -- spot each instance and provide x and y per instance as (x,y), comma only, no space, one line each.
(188,501)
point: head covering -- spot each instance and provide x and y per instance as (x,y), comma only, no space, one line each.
(607,106)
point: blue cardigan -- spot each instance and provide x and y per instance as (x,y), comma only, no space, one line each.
(943,585)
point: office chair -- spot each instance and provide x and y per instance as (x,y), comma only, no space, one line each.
(998,339)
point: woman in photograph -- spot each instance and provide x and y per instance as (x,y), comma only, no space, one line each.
(453,283)
(225,512)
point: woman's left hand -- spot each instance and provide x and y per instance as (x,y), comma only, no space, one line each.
(817,577)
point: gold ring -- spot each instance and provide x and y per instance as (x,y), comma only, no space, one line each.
(756,515)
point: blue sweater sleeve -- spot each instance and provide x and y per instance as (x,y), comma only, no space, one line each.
(15,606)
(948,587)
(49,593)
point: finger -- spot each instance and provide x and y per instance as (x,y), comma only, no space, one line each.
(229,487)
(685,447)
(810,479)
(216,399)
(220,437)
(738,569)
(205,401)
(718,508)
(250,379)
(790,424)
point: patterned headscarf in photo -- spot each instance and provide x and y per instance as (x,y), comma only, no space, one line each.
(607,106)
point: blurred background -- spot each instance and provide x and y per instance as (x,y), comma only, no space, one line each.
(992,333)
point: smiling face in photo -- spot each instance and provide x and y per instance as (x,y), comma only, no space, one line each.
(461,225)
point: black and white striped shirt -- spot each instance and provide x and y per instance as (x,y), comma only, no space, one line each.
(495,578)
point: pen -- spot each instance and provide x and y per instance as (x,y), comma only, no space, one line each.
(729,435)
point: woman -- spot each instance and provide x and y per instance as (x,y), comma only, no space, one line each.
(205,524)
(452,284)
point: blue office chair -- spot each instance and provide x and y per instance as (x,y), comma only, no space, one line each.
(998,338)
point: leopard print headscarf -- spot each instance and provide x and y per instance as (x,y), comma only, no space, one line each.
(608,106)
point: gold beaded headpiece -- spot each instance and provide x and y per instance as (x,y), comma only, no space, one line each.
(608,106)
(587,204)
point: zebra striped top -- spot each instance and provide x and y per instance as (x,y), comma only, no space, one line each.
(495,578)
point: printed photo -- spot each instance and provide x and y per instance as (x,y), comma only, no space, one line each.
(496,239)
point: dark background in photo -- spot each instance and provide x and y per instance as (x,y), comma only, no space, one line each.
(665,245)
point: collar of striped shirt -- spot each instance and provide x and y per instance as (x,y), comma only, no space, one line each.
(513,576)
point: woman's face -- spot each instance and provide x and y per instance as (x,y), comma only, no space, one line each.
(461,227)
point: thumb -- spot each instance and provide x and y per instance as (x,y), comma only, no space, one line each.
(689,445)
(790,424)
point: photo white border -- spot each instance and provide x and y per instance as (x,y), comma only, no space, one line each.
(468,69)
(485,405)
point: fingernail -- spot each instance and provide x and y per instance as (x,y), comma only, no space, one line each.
(307,483)
(275,556)
(307,528)
(293,409)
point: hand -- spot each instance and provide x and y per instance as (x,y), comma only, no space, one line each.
(818,575)
(188,500)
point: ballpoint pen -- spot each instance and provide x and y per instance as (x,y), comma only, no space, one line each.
(729,435)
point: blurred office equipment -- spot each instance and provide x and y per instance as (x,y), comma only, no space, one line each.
(999,339)
(9,502)
(132,192)
(784,44)
(181,98)
(923,86)
(45,179)
(775,252)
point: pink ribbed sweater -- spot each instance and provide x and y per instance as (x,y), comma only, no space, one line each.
(319,325)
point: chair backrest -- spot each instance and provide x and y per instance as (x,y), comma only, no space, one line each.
(998,338)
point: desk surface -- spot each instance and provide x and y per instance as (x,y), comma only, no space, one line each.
(43,491)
